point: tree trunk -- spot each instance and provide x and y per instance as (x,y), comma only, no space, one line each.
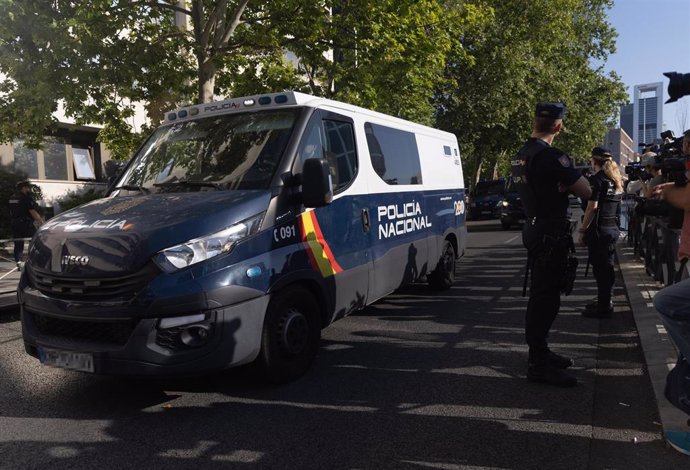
(207,80)
(477,171)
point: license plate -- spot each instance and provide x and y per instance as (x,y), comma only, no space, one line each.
(66,359)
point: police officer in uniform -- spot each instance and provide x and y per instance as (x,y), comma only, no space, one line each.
(23,213)
(599,230)
(543,176)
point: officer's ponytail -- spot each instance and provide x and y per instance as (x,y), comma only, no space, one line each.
(604,158)
(612,172)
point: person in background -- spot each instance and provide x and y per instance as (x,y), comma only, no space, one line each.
(24,217)
(684,247)
(653,166)
(600,231)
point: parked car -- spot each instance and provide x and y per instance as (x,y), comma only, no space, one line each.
(484,196)
(510,210)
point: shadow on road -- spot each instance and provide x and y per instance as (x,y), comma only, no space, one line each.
(417,380)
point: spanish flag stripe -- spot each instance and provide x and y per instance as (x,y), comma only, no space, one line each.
(326,248)
(312,259)
(315,247)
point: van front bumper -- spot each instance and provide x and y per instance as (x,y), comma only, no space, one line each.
(122,345)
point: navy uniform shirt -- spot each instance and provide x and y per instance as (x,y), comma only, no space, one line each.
(20,204)
(546,170)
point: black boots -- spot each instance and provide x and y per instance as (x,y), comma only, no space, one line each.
(558,361)
(549,369)
(594,310)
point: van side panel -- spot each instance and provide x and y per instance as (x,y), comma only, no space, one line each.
(444,192)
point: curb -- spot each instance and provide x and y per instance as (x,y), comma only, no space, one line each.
(658,348)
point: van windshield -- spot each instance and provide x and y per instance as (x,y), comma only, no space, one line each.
(233,151)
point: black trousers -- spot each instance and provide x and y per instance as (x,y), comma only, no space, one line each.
(602,251)
(21,228)
(548,265)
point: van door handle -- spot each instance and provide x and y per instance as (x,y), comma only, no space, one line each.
(365,220)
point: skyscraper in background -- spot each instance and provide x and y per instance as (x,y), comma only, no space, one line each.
(648,109)
(627,119)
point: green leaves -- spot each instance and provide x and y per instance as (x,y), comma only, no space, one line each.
(474,67)
(530,51)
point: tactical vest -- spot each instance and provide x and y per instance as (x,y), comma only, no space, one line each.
(519,170)
(608,203)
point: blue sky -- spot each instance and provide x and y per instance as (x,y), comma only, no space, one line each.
(653,38)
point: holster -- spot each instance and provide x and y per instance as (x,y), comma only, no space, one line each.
(548,244)
(570,272)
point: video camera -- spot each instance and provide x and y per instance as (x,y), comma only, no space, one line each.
(669,159)
(678,85)
(636,171)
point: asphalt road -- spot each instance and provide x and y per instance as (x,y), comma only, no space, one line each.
(418,380)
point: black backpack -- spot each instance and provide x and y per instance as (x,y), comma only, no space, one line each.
(677,389)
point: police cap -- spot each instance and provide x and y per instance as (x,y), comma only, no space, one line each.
(23,184)
(601,153)
(550,110)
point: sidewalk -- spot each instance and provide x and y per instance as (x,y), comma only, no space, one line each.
(8,285)
(658,348)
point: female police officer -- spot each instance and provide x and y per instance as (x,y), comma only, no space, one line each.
(599,230)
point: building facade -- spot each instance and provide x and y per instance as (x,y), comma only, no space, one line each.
(648,108)
(621,146)
(627,119)
(70,160)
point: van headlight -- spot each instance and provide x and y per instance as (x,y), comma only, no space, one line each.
(200,249)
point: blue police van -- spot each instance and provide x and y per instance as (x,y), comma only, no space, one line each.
(237,232)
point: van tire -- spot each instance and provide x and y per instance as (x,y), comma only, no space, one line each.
(290,337)
(443,276)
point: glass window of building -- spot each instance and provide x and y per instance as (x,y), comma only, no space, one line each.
(25,160)
(55,159)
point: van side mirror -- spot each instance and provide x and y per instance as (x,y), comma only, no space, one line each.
(317,188)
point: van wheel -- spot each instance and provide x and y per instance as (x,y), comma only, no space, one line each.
(443,276)
(290,336)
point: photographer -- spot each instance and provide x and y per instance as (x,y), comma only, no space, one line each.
(599,231)
(652,164)
(638,174)
(673,302)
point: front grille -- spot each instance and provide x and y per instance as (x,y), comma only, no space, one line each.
(82,288)
(110,332)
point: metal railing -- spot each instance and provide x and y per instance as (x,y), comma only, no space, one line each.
(8,245)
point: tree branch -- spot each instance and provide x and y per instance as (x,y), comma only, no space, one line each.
(155,5)
(234,22)
(170,35)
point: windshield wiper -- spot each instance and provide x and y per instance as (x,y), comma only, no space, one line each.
(134,187)
(191,184)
